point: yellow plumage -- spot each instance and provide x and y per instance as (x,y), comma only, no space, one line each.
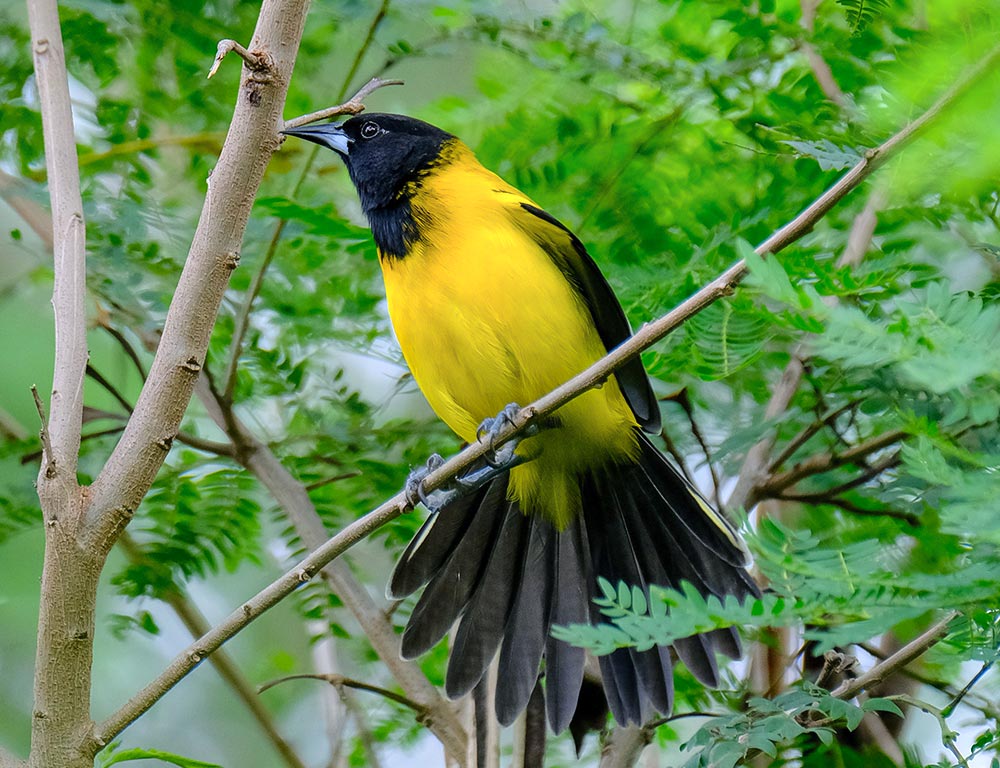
(507,326)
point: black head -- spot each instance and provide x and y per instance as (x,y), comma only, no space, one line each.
(384,154)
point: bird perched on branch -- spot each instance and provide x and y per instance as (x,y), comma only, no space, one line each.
(494,301)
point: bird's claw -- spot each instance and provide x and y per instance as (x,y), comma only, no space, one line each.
(502,458)
(497,460)
(414,488)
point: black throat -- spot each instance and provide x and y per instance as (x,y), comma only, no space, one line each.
(387,184)
(394,227)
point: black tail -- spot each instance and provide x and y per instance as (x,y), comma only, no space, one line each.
(510,578)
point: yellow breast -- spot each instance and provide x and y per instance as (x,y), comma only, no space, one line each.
(484,318)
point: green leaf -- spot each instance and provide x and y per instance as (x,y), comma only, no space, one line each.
(830,156)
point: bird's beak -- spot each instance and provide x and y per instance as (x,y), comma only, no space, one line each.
(328,135)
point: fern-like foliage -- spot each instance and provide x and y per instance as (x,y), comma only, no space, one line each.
(767,724)
(861,13)
(842,592)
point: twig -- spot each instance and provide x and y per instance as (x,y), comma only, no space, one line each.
(293,498)
(851,688)
(353,106)
(334,479)
(753,472)
(684,401)
(824,462)
(364,731)
(948,736)
(43,434)
(108,387)
(595,374)
(126,345)
(255,61)
(676,454)
(654,724)
(806,434)
(348,682)
(359,55)
(243,318)
(821,69)
(849,506)
(10,428)
(987,666)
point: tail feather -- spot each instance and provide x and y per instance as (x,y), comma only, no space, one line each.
(528,625)
(482,626)
(708,528)
(448,592)
(508,578)
(437,538)
(619,560)
(570,605)
(662,562)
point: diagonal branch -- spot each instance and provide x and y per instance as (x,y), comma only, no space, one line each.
(649,334)
(916,647)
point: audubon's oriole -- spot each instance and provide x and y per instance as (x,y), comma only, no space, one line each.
(493,300)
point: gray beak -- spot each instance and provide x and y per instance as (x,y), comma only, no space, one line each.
(329,135)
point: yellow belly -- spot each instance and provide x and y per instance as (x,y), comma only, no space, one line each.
(485,318)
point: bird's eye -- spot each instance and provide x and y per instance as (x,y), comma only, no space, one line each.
(370,130)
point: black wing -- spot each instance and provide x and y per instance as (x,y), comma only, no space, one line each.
(569,254)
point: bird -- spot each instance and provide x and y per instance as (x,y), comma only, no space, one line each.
(494,301)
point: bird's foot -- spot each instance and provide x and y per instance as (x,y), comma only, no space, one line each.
(497,460)
(414,488)
(503,458)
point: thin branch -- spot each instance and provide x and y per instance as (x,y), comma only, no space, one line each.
(824,462)
(43,434)
(987,666)
(255,61)
(684,401)
(820,68)
(10,428)
(69,295)
(654,724)
(591,377)
(849,506)
(353,106)
(108,387)
(376,22)
(127,347)
(364,731)
(806,434)
(198,625)
(338,681)
(975,701)
(334,479)
(916,647)
(243,318)
(293,498)
(753,472)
